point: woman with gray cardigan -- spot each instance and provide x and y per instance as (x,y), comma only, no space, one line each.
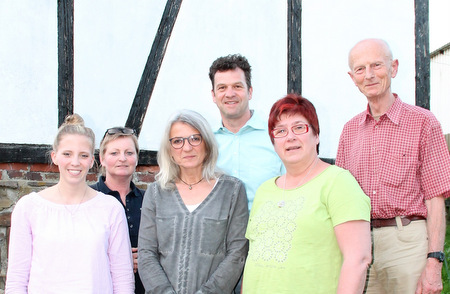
(192,233)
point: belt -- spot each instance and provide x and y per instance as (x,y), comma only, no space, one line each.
(391,222)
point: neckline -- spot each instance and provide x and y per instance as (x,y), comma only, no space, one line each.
(304,185)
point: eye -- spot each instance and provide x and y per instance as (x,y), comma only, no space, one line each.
(114,153)
(84,155)
(177,141)
(299,127)
(130,153)
(377,65)
(279,132)
(359,70)
(196,139)
(220,88)
(66,154)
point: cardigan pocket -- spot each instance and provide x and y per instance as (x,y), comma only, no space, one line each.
(166,234)
(213,234)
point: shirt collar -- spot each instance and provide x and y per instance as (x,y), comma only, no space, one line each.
(106,190)
(255,122)
(393,112)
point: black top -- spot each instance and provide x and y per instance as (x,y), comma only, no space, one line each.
(132,207)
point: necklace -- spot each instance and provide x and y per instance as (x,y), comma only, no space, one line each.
(282,203)
(190,185)
(72,212)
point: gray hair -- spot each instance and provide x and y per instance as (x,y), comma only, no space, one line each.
(169,171)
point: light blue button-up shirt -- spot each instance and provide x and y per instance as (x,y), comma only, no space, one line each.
(248,155)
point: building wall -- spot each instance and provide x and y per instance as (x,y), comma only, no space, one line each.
(19,179)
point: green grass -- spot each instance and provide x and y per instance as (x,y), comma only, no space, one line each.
(446,267)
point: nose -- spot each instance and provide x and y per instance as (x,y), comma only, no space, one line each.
(369,73)
(187,146)
(229,92)
(75,160)
(122,157)
(291,136)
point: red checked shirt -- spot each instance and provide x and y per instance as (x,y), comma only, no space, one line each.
(399,161)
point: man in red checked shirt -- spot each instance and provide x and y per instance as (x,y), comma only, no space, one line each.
(399,156)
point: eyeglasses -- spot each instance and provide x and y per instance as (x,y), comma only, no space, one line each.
(119,130)
(297,130)
(178,142)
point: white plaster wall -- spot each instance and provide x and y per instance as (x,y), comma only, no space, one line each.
(113,39)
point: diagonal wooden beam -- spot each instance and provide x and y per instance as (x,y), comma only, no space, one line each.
(153,65)
(294,47)
(65,59)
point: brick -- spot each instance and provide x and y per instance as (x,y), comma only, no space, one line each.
(51,176)
(13,174)
(5,166)
(33,176)
(19,166)
(42,167)
(146,178)
(5,219)
(92,178)
(154,169)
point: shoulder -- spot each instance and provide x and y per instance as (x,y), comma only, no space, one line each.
(354,121)
(227,179)
(26,201)
(413,112)
(106,201)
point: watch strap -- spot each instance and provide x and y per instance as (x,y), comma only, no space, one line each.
(439,255)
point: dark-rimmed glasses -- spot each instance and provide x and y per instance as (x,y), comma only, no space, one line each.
(297,130)
(119,130)
(178,142)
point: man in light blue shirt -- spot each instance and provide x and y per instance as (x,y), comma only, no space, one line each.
(245,149)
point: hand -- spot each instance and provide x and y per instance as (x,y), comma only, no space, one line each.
(135,259)
(430,281)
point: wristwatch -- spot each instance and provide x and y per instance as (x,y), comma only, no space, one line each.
(439,255)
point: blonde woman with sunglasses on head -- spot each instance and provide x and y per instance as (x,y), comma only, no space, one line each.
(119,151)
(70,238)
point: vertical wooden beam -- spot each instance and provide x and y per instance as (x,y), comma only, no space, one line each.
(294,74)
(65,59)
(153,65)
(422,33)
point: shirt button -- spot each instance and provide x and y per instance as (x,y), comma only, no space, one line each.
(374,192)
(131,226)
(128,217)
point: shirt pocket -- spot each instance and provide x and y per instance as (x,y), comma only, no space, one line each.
(396,168)
(166,234)
(212,239)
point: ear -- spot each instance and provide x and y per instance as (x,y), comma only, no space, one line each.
(53,156)
(350,73)
(394,68)
(213,96)
(250,93)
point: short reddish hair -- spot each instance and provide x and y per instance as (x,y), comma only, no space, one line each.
(293,104)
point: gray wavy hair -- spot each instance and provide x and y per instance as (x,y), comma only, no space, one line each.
(169,171)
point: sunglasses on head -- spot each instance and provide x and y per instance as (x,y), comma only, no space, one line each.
(120,130)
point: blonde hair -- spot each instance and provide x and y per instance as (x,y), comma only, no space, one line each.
(109,138)
(74,125)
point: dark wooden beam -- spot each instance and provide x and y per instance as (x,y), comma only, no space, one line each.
(151,70)
(294,41)
(33,153)
(65,59)
(422,33)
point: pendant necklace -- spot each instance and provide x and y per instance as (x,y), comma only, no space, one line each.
(282,203)
(190,185)
(72,212)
